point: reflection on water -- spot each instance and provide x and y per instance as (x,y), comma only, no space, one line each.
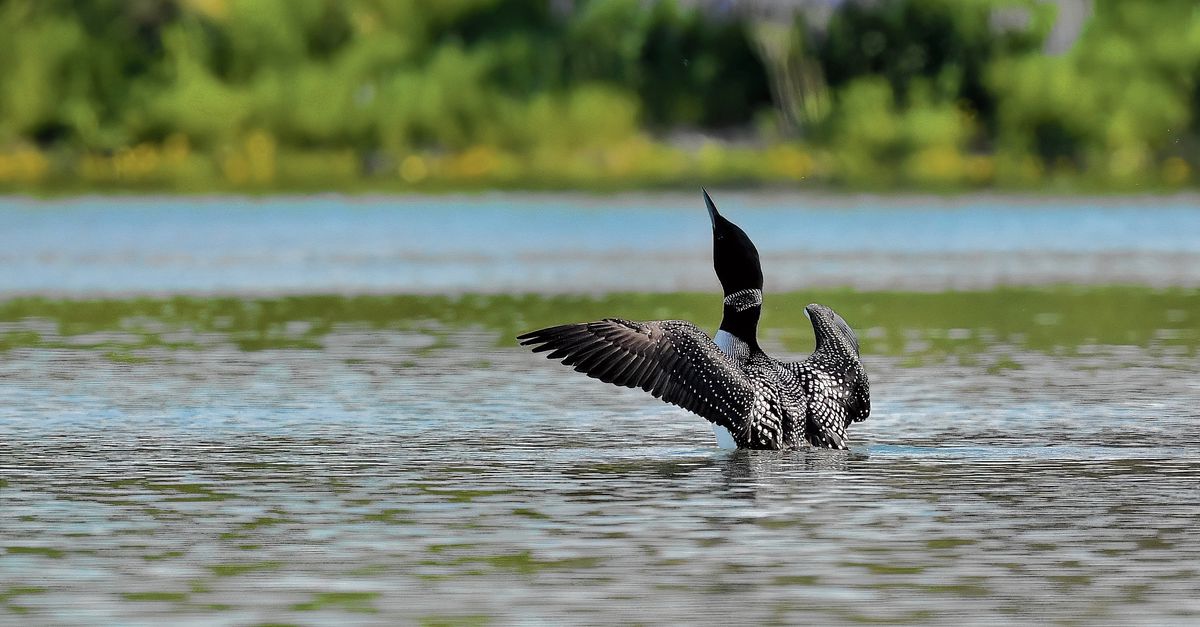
(408,473)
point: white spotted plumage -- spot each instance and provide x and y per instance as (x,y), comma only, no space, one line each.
(762,402)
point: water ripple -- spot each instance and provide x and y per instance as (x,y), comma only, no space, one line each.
(489,485)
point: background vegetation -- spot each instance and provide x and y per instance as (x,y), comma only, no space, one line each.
(198,95)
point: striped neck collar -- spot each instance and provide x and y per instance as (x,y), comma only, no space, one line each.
(744,299)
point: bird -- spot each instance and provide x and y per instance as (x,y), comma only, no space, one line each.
(761,402)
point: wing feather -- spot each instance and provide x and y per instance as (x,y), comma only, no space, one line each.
(671,359)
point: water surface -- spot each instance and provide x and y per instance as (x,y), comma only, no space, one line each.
(312,411)
(1034,456)
(571,243)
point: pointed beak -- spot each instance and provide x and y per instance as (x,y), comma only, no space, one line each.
(712,208)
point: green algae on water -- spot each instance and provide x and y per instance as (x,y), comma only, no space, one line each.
(235,569)
(170,597)
(350,601)
(920,326)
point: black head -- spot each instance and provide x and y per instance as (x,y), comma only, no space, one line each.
(833,334)
(734,256)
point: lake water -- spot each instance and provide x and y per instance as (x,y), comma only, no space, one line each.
(555,243)
(1033,454)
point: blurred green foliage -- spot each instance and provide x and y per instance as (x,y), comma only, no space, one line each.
(194,95)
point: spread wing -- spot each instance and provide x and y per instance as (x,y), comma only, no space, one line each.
(671,359)
(852,381)
(825,424)
(859,405)
(834,400)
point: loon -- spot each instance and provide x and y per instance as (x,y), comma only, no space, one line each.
(761,402)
